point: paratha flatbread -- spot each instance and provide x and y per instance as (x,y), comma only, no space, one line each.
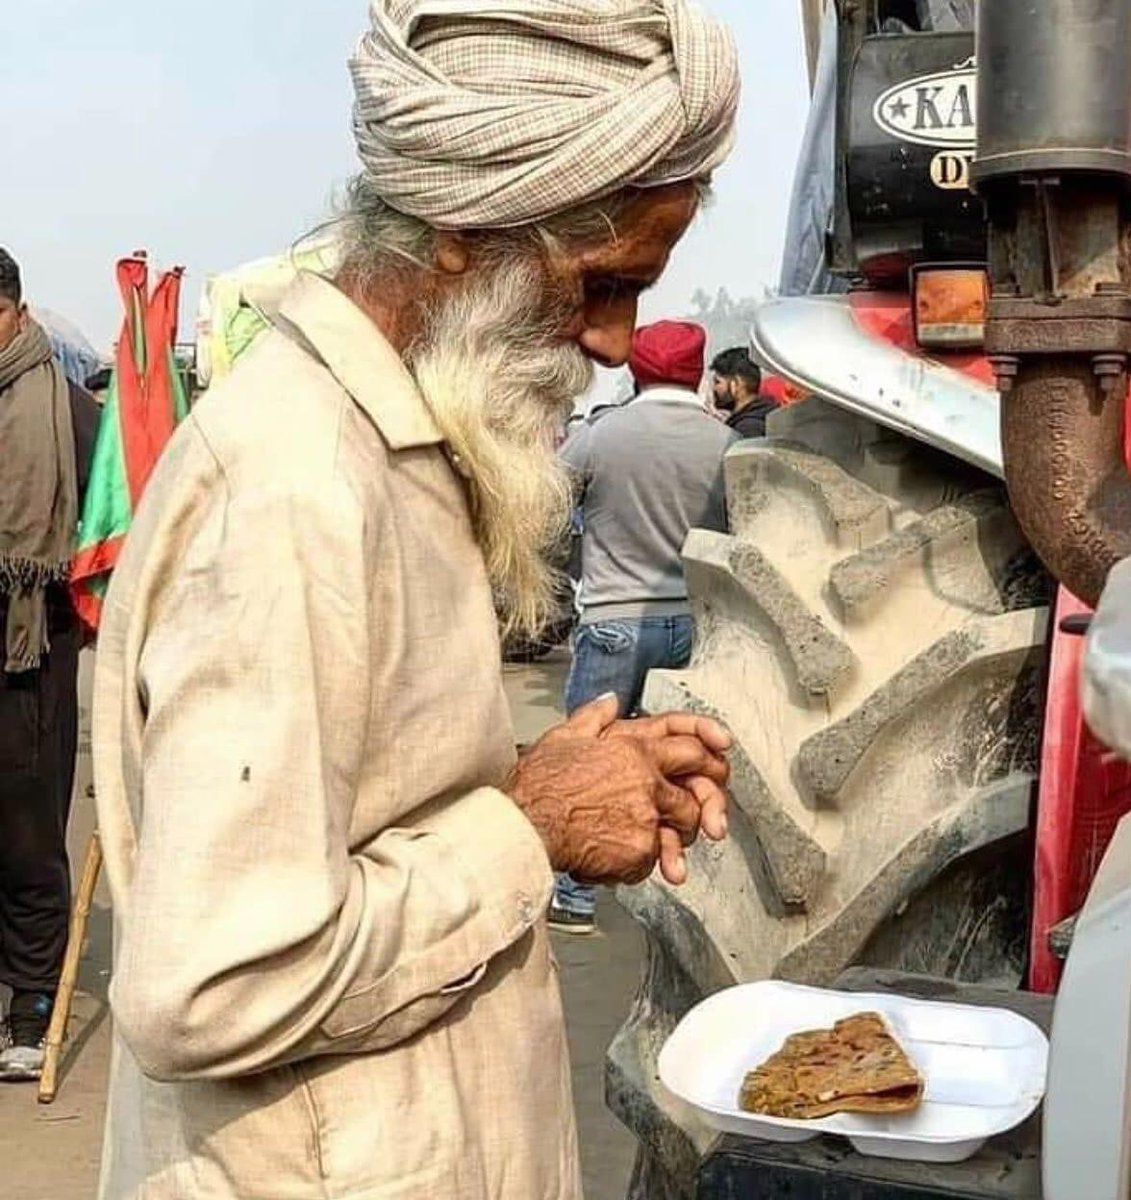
(857,1066)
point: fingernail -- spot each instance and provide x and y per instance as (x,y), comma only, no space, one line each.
(606,696)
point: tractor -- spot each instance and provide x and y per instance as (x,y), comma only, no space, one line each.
(893,626)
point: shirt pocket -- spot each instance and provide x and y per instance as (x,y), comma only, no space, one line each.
(390,1124)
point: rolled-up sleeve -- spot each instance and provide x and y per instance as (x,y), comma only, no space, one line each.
(253,935)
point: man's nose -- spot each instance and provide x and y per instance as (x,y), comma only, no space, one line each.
(606,336)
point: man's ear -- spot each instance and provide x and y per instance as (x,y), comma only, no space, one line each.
(22,318)
(452,253)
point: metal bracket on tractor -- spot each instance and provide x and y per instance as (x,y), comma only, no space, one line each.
(1007,1168)
(1098,325)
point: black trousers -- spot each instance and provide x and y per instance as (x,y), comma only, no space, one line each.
(38,740)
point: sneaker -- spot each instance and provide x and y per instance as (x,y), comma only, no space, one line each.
(565,921)
(28,1017)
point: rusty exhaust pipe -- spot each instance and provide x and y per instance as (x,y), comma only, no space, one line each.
(1058,333)
(1062,445)
(1053,164)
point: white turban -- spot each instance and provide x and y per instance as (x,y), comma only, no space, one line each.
(491,113)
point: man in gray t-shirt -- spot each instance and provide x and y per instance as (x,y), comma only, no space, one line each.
(647,473)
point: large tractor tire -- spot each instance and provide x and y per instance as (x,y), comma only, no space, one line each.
(872,630)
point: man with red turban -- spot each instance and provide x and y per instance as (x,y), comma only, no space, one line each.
(647,473)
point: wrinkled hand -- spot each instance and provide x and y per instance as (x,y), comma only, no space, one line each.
(708,787)
(611,798)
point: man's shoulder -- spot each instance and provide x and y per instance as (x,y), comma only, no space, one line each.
(609,424)
(692,421)
(264,443)
(611,430)
(677,419)
(715,436)
(751,421)
(600,417)
(280,412)
(274,379)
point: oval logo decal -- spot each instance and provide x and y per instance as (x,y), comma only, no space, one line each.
(931,110)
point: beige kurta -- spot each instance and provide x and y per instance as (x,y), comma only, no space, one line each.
(332,978)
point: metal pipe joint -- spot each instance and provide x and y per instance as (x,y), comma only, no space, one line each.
(1054,167)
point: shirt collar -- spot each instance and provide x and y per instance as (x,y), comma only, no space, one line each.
(354,351)
(670,392)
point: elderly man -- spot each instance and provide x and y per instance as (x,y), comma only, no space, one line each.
(330,875)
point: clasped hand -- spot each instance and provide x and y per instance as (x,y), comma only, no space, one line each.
(611,798)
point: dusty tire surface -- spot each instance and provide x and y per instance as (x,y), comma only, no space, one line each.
(873,631)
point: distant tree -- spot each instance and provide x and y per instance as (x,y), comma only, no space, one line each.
(726,320)
(700,303)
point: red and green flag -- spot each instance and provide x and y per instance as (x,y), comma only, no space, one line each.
(144,404)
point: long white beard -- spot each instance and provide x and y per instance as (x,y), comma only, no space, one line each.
(500,382)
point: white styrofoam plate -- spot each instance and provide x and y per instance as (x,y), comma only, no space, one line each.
(984,1067)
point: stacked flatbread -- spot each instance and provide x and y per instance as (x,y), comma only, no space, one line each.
(857,1066)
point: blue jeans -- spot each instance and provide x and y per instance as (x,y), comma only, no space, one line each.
(616,656)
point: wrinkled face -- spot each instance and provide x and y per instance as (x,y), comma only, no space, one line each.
(507,344)
(605,280)
(13,318)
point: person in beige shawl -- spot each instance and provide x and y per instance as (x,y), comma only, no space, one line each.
(47,430)
(330,872)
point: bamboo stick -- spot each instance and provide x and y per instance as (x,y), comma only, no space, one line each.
(61,1012)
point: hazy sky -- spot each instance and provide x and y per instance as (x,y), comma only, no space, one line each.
(215,132)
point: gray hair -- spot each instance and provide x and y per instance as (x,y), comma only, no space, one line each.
(378,242)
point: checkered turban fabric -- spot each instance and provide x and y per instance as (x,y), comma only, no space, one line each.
(495,113)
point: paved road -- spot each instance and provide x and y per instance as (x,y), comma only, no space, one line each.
(599,973)
(51,1153)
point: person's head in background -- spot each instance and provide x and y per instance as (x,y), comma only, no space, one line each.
(668,354)
(737,380)
(13,310)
